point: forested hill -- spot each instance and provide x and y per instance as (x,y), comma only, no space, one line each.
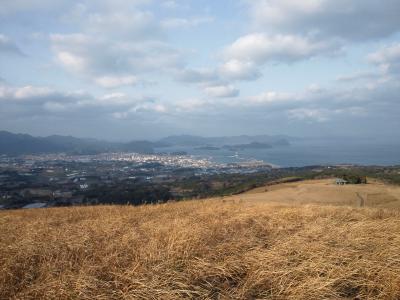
(17,144)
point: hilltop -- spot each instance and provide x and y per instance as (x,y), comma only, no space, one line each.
(299,240)
(326,192)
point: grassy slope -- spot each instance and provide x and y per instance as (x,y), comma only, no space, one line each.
(221,248)
(374,194)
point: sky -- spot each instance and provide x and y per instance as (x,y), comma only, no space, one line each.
(145,69)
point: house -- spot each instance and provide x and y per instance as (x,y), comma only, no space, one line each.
(84,186)
(340,181)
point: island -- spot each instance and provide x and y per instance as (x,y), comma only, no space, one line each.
(253,145)
(208,148)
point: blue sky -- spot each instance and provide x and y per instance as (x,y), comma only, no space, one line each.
(132,69)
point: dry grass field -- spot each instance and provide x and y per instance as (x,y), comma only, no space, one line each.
(373,194)
(283,243)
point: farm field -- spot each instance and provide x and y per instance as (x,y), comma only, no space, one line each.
(304,240)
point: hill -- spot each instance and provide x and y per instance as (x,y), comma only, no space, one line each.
(253,145)
(15,144)
(326,192)
(251,246)
(191,140)
(18,144)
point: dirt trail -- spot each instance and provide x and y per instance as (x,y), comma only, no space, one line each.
(362,202)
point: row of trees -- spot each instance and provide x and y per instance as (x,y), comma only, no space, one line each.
(354,179)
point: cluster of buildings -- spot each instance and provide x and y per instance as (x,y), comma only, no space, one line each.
(60,179)
(180,161)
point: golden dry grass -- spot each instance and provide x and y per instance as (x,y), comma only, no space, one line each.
(209,249)
(374,194)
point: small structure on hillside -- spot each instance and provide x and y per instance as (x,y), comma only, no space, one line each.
(84,186)
(340,181)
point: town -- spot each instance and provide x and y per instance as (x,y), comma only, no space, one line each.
(32,181)
(46,180)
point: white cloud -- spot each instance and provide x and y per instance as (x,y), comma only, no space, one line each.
(173,23)
(222,91)
(358,76)
(306,114)
(191,105)
(41,100)
(239,70)
(387,59)
(271,97)
(258,48)
(212,82)
(116,81)
(122,43)
(141,108)
(115,61)
(116,99)
(131,24)
(115,43)
(15,6)
(54,107)
(289,31)
(171,4)
(244,58)
(197,76)
(116,5)
(25,93)
(355,20)
(28,92)
(152,107)
(324,115)
(72,61)
(332,106)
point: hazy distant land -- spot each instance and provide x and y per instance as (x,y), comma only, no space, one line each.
(16,144)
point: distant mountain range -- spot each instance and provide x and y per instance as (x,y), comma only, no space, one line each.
(253,145)
(198,141)
(19,144)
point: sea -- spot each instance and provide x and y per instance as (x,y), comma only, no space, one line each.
(302,153)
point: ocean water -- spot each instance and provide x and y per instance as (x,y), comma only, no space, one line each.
(306,153)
